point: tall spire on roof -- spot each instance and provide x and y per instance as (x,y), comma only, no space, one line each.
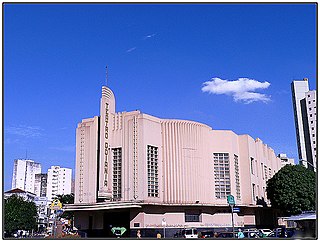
(106,75)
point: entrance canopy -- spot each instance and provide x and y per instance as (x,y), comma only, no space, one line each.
(100,206)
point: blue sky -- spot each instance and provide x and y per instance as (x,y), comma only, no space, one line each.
(159,58)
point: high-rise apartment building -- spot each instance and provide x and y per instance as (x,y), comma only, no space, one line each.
(285,160)
(24,172)
(304,107)
(40,185)
(58,181)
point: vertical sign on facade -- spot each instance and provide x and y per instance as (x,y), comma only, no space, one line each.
(106,145)
(135,157)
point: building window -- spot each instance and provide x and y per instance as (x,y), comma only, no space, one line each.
(236,169)
(251,165)
(265,173)
(254,191)
(221,174)
(310,115)
(192,216)
(270,175)
(152,160)
(117,163)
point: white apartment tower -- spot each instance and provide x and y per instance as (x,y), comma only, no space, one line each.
(285,160)
(311,97)
(58,181)
(304,106)
(24,172)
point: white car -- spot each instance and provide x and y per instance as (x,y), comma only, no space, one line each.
(190,233)
(265,231)
(251,230)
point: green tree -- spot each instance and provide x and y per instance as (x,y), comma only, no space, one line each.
(292,189)
(66,199)
(19,214)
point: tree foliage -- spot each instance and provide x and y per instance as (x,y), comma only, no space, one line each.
(292,189)
(19,214)
(66,199)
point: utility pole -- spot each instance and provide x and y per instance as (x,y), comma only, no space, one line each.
(231,202)
(232,219)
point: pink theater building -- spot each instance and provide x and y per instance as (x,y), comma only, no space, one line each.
(138,171)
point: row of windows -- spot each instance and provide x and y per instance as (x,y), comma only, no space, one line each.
(117,163)
(237,177)
(222,175)
(265,169)
(152,162)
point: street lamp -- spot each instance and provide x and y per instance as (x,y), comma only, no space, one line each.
(164,227)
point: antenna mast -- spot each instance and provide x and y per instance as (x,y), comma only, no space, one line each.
(106,75)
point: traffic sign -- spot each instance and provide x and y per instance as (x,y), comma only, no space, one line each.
(231,200)
(236,210)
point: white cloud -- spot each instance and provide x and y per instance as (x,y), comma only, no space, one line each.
(241,89)
(149,36)
(26,131)
(131,49)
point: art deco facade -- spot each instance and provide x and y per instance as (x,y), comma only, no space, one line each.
(148,169)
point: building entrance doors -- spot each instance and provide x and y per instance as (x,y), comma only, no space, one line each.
(116,219)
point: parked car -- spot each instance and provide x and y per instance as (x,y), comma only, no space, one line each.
(273,234)
(251,230)
(227,235)
(266,232)
(252,234)
(206,234)
(276,234)
(187,233)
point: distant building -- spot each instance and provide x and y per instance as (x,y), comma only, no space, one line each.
(72,186)
(43,211)
(24,172)
(27,196)
(40,186)
(58,181)
(285,160)
(304,106)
